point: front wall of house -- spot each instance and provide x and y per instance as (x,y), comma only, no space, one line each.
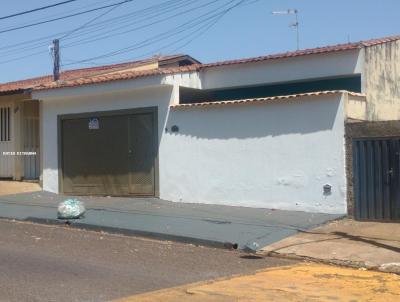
(284,70)
(52,108)
(275,155)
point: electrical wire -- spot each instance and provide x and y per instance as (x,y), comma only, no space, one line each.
(175,5)
(40,45)
(61,18)
(102,36)
(94,19)
(36,9)
(195,28)
(164,35)
(35,42)
(75,9)
(200,31)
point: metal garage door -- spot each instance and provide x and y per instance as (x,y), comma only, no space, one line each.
(376,171)
(109,154)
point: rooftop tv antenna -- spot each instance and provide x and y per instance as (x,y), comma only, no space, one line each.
(294,24)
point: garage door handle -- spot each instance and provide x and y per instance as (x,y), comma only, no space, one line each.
(389,175)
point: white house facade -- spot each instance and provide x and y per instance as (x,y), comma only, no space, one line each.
(266,132)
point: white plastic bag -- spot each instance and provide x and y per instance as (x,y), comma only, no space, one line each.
(70,209)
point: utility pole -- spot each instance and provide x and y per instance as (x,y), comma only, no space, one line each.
(295,24)
(56,59)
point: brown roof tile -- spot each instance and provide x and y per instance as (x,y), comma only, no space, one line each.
(95,75)
(78,74)
(128,75)
(304,52)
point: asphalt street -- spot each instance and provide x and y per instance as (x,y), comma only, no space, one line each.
(53,263)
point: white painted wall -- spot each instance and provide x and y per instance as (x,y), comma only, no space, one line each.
(276,155)
(284,70)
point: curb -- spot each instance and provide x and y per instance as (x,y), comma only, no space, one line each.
(343,263)
(130,232)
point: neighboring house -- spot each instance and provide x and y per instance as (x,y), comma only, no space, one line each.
(20,131)
(278,131)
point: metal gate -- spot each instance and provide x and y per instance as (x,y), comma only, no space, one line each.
(376,175)
(31,140)
(6,140)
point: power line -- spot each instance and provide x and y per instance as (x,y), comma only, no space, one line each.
(56,42)
(145,17)
(114,20)
(148,12)
(61,13)
(202,30)
(195,27)
(198,32)
(147,54)
(64,17)
(151,9)
(102,36)
(36,9)
(23,57)
(141,15)
(164,35)
(92,20)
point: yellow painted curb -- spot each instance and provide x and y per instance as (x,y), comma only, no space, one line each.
(302,282)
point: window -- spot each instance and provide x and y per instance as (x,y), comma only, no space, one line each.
(350,83)
(5,124)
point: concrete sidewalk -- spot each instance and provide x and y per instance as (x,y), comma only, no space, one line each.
(212,225)
(372,245)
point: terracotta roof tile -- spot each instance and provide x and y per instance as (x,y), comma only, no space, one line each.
(95,75)
(74,75)
(304,52)
(128,75)
(264,100)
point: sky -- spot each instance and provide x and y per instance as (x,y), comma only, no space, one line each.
(208,30)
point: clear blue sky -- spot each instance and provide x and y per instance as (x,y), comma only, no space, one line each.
(247,30)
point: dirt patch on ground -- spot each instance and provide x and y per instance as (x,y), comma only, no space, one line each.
(15,187)
(295,283)
(373,245)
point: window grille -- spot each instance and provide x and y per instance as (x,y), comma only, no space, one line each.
(5,124)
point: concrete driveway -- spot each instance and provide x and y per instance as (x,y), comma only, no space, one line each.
(16,187)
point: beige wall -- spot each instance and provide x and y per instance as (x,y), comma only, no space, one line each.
(138,68)
(355,106)
(15,97)
(381,81)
